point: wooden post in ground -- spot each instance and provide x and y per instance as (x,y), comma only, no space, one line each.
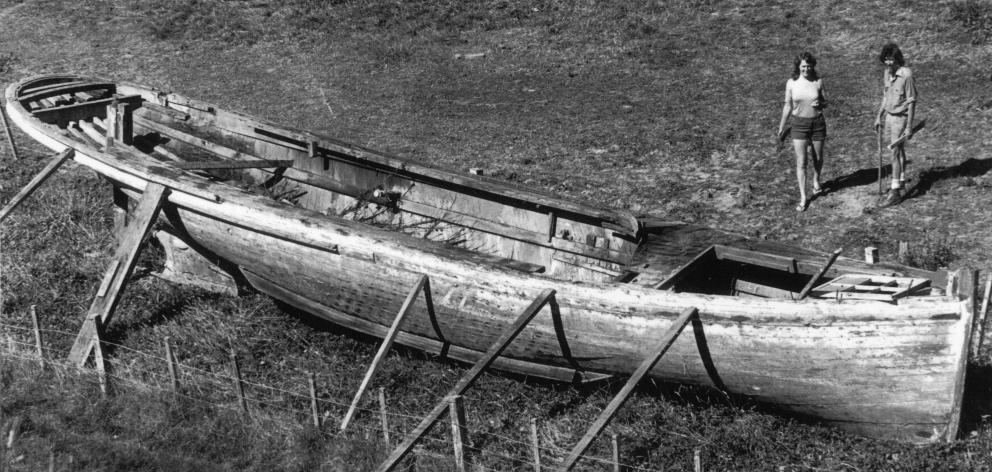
(171,361)
(903,252)
(97,350)
(697,461)
(238,384)
(37,338)
(616,452)
(981,317)
(535,445)
(119,270)
(459,432)
(380,355)
(382,416)
(313,400)
(36,182)
(659,350)
(6,128)
(508,335)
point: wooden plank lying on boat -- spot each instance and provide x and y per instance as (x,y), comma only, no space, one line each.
(261,163)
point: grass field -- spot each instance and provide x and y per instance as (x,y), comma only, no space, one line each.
(667,108)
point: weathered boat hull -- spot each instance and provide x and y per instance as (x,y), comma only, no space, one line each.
(875,368)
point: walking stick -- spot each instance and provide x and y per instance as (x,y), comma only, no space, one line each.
(878,133)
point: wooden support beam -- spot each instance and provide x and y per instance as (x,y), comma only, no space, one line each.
(263,163)
(239,385)
(387,342)
(36,182)
(535,445)
(659,350)
(120,269)
(812,282)
(6,128)
(467,380)
(383,417)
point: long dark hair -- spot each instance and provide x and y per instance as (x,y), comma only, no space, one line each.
(891,50)
(806,56)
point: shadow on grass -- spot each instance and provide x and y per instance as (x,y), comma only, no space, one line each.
(977,402)
(969,168)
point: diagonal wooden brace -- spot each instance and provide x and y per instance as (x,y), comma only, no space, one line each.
(659,350)
(467,380)
(387,342)
(121,266)
(36,182)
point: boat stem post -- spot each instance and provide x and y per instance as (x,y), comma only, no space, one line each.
(36,182)
(467,380)
(102,309)
(387,342)
(659,350)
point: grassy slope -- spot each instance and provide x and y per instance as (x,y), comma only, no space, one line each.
(660,108)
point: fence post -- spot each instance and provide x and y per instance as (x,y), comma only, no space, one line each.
(236,371)
(535,445)
(697,461)
(172,366)
(616,452)
(313,401)
(459,433)
(37,338)
(382,415)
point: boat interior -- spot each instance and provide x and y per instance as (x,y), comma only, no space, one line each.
(518,228)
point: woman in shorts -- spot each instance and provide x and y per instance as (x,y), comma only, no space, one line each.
(803,111)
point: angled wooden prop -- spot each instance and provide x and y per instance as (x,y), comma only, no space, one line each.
(6,128)
(121,266)
(387,342)
(823,270)
(467,380)
(36,182)
(660,349)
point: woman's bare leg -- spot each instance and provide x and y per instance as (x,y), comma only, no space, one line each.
(799,145)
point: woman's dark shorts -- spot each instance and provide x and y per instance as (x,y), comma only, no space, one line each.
(809,129)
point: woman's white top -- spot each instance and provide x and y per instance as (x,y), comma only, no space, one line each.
(801,94)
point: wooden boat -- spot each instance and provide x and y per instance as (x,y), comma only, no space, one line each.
(344,232)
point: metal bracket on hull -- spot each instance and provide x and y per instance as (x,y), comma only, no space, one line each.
(121,266)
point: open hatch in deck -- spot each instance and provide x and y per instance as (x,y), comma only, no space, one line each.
(725,270)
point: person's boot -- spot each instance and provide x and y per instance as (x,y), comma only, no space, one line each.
(894,197)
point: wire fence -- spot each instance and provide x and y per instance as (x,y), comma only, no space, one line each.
(225,389)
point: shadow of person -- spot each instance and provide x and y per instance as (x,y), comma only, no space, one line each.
(969,168)
(854,179)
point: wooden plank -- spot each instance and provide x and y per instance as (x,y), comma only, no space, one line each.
(611,410)
(508,335)
(380,355)
(685,270)
(263,163)
(64,88)
(772,261)
(980,323)
(764,291)
(126,256)
(82,111)
(819,273)
(36,182)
